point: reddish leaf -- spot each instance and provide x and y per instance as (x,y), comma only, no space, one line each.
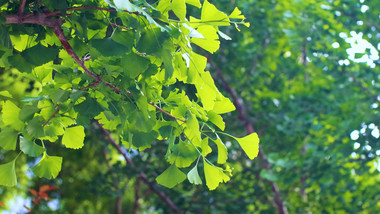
(46,188)
(2,204)
(33,192)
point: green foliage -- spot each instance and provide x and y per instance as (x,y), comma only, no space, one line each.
(125,66)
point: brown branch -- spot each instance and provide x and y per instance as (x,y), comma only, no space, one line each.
(90,86)
(53,115)
(142,175)
(243,116)
(160,194)
(137,197)
(167,113)
(22,7)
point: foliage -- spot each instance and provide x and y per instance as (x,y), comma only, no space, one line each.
(286,79)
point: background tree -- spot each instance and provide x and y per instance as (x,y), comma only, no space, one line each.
(289,77)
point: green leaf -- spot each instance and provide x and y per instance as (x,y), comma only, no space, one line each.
(179,9)
(108,47)
(73,137)
(250,145)
(87,110)
(210,42)
(183,155)
(134,65)
(195,3)
(216,119)
(10,116)
(142,140)
(39,54)
(214,175)
(5,40)
(213,16)
(192,131)
(48,167)
(8,138)
(193,176)
(30,148)
(35,128)
(206,90)
(27,112)
(8,174)
(171,177)
(223,104)
(167,58)
(6,94)
(222,151)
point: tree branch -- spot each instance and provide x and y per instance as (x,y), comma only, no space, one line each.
(53,115)
(137,197)
(240,107)
(142,175)
(22,7)
(167,113)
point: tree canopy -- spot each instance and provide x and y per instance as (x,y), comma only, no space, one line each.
(109,106)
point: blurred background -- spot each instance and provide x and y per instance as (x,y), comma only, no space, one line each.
(304,76)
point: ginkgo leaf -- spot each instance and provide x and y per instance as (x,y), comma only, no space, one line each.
(10,116)
(30,148)
(211,15)
(35,128)
(48,167)
(171,177)
(193,176)
(183,155)
(223,104)
(214,175)
(216,119)
(250,144)
(73,137)
(8,174)
(222,151)
(192,131)
(206,90)
(210,42)
(8,138)
(236,14)
(195,3)
(179,9)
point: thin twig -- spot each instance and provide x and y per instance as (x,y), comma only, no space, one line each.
(91,86)
(53,115)
(167,113)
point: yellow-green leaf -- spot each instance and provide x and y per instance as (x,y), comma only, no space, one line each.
(214,175)
(195,3)
(222,151)
(223,104)
(73,137)
(11,116)
(8,174)
(171,177)
(8,138)
(211,15)
(48,167)
(236,14)
(250,145)
(179,9)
